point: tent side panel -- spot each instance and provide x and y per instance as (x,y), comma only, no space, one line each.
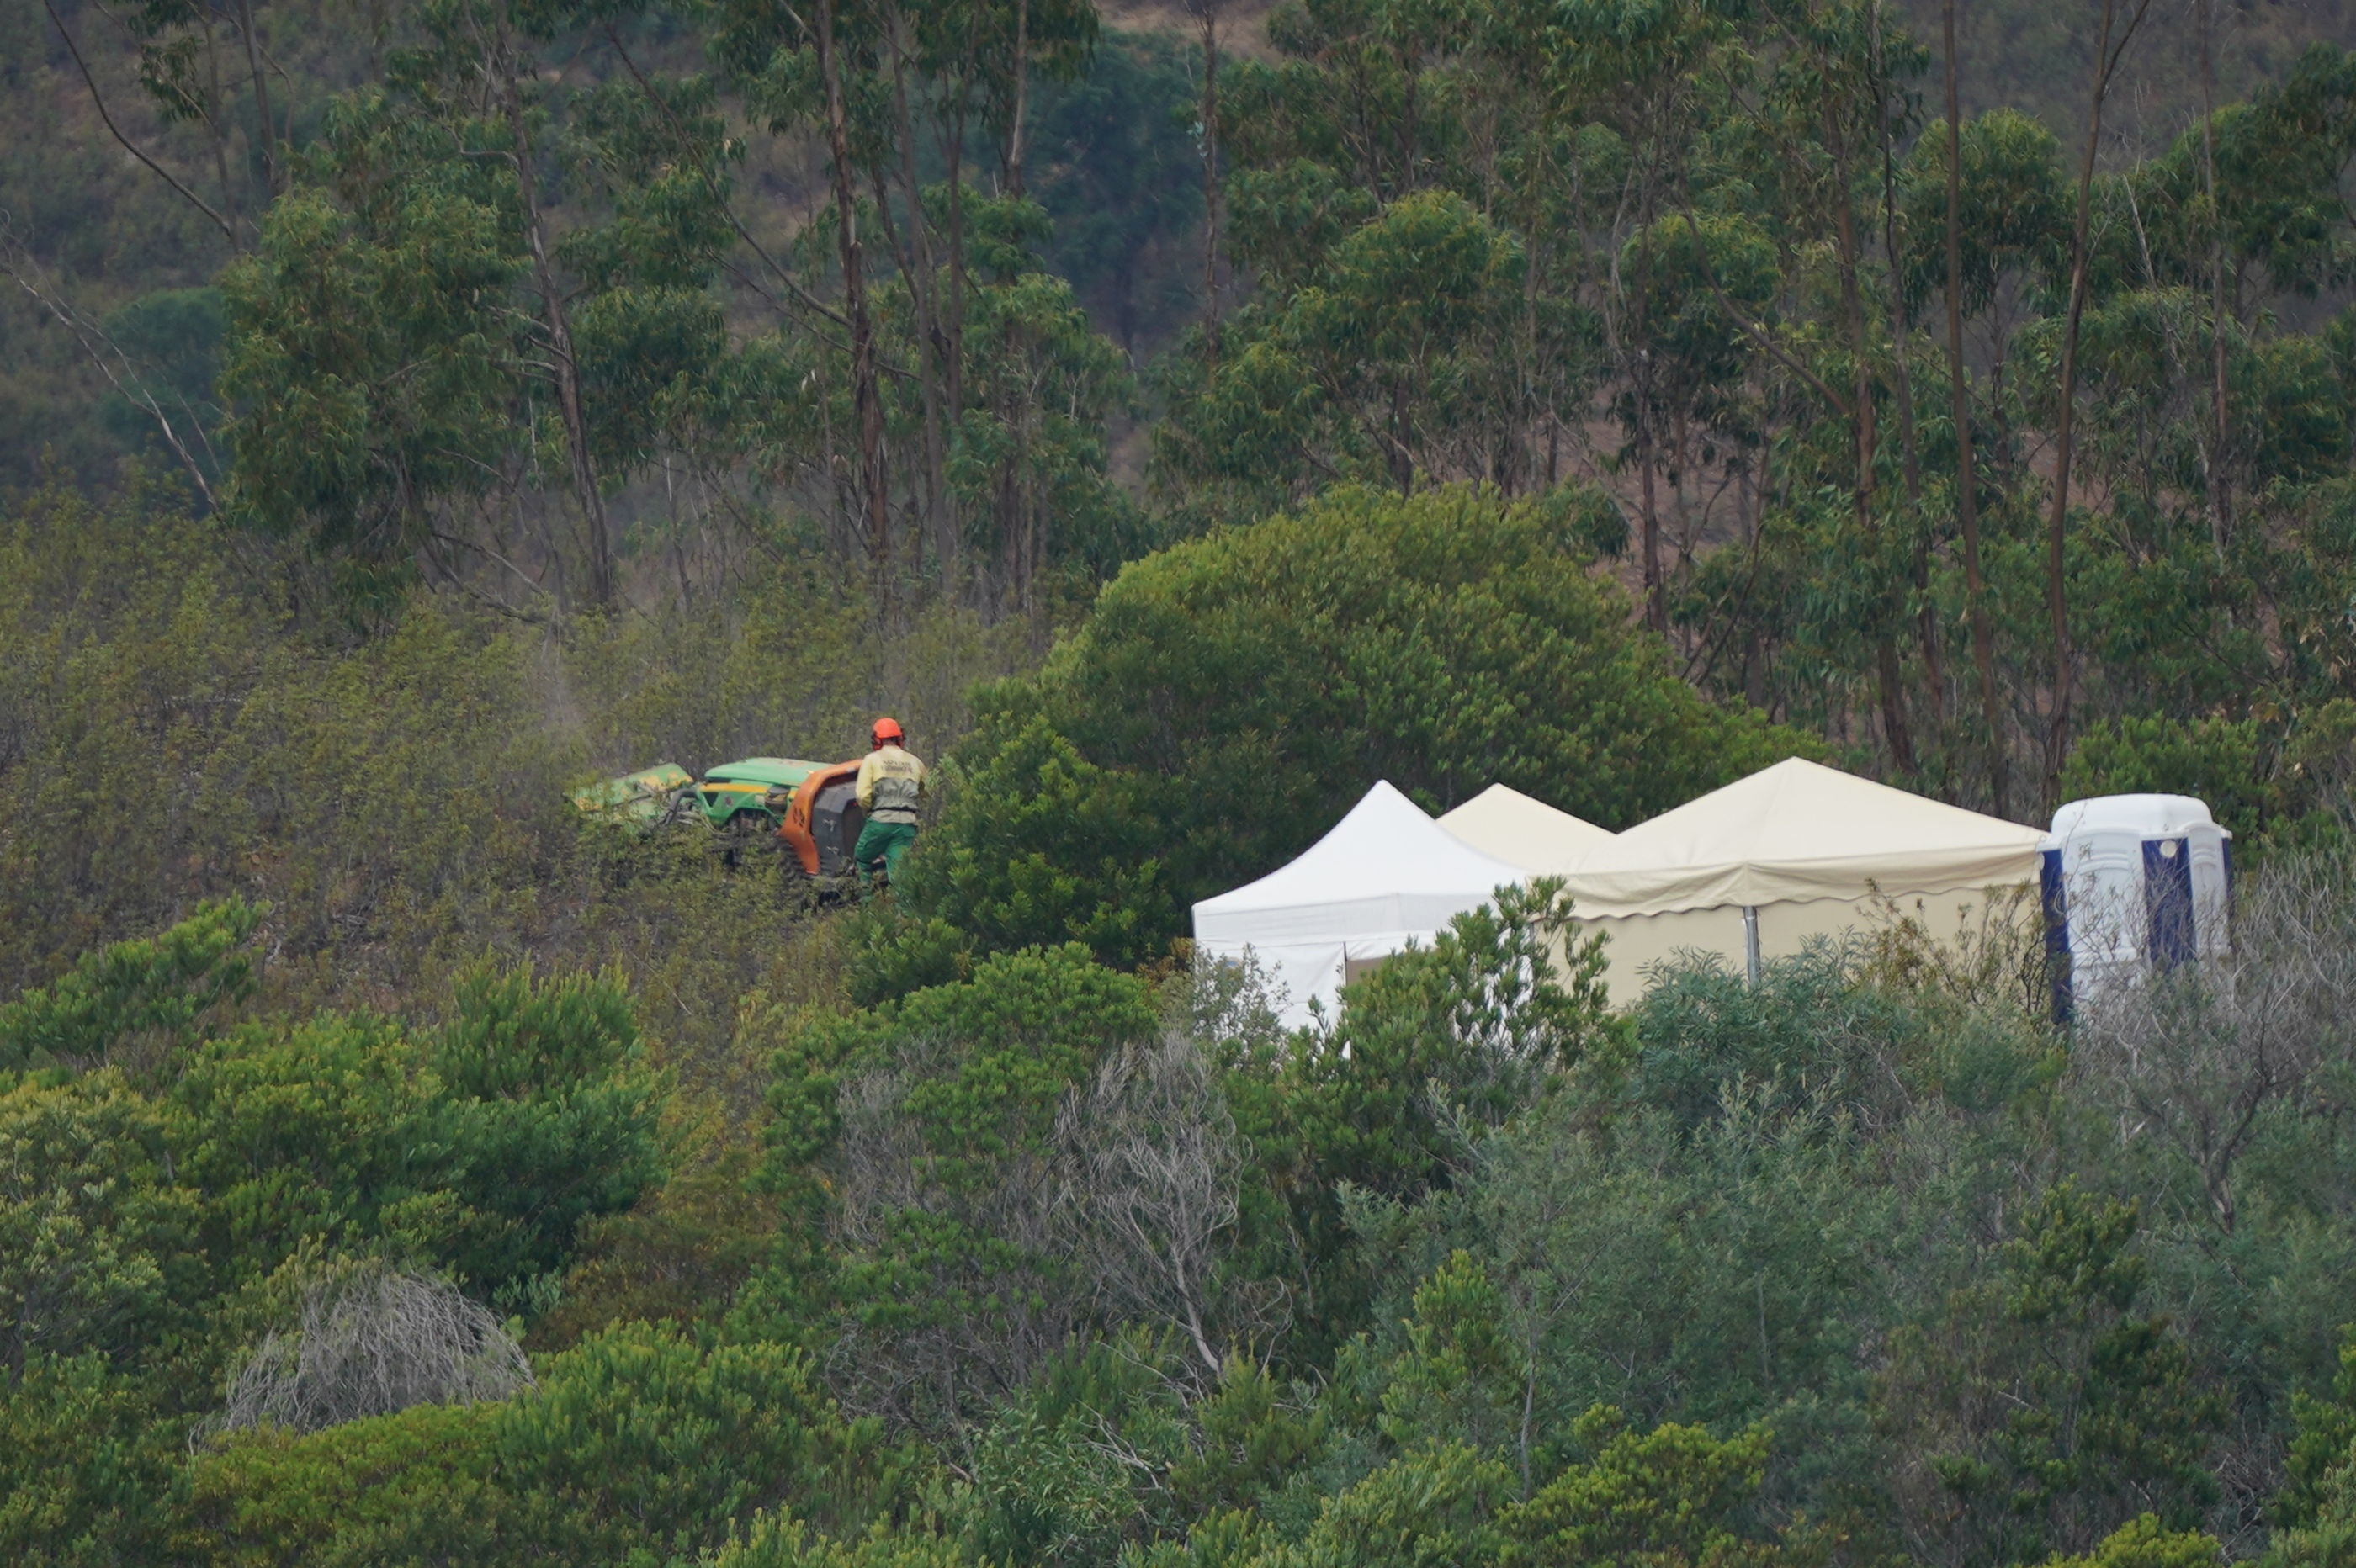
(1958,922)
(1295,974)
(1955,922)
(1633,942)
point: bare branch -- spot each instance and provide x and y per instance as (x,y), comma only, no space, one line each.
(369,1346)
(98,102)
(100,348)
(2199,1054)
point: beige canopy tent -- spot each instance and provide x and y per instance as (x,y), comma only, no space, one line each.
(1797,851)
(1511,826)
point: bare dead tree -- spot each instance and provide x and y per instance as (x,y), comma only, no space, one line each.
(370,1345)
(2198,1054)
(1152,1166)
(1123,1210)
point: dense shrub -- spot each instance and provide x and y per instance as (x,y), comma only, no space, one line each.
(1228,699)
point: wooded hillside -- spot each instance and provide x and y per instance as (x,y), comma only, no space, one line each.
(412,411)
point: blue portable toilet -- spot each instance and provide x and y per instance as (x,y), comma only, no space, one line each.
(2132,883)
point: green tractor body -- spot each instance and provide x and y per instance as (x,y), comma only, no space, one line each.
(736,797)
(741,801)
(642,799)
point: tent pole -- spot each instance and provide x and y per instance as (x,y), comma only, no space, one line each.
(1751,943)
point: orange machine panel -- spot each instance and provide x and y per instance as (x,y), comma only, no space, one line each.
(796,829)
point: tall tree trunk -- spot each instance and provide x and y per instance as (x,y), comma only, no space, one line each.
(596,541)
(866,401)
(1909,448)
(1209,113)
(217,124)
(954,325)
(2057,733)
(1015,522)
(1889,678)
(268,143)
(923,291)
(2221,480)
(1967,511)
(1657,601)
(1016,133)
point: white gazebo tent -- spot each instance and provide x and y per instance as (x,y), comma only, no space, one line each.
(1385,875)
(1797,851)
(1509,825)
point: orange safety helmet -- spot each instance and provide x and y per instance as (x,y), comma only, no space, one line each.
(888,730)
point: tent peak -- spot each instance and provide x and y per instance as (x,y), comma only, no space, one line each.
(1799,830)
(1385,843)
(1502,822)
(1384,876)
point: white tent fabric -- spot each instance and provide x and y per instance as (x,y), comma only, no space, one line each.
(1385,875)
(1793,851)
(1511,826)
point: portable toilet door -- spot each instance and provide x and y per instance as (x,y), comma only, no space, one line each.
(2132,882)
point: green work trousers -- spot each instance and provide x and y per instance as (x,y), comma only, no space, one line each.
(884,841)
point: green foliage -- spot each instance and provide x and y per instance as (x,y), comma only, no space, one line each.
(1037,844)
(2325,1433)
(2144,1542)
(639,1441)
(367,350)
(414,1488)
(94,1230)
(1808,1040)
(2013,201)
(2330,1535)
(2273,782)
(775,1543)
(1671,1495)
(538,1073)
(1122,182)
(1432,1049)
(128,1203)
(137,1001)
(1378,363)
(638,1446)
(555,444)
(1430,1507)
(87,1463)
(1042,1493)
(398,804)
(481,1151)
(1250,1439)
(1458,1372)
(928,1124)
(2106,1415)
(1226,698)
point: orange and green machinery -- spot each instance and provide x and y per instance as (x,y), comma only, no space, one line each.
(811,807)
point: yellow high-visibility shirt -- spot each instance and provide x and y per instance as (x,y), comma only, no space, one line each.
(891,781)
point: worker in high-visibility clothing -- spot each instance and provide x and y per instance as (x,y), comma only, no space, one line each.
(891,783)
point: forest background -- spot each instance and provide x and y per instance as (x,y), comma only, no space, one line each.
(1179,419)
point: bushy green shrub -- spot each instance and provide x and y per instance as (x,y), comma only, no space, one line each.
(638,1446)
(1228,699)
